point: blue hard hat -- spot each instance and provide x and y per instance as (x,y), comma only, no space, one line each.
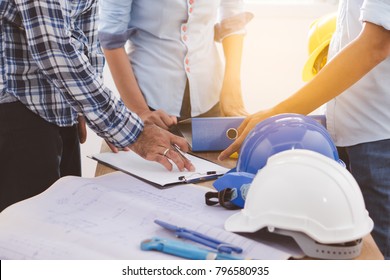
(273,135)
(284,132)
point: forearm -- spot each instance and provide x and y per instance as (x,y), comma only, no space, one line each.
(124,79)
(350,65)
(231,102)
(232,47)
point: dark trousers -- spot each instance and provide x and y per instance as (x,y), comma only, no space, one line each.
(33,153)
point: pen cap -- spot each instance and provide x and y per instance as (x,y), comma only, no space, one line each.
(304,191)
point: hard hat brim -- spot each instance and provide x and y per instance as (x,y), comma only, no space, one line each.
(307,72)
(238,223)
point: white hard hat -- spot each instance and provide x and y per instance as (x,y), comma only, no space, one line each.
(304,193)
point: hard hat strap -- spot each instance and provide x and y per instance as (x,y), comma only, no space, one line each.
(222,197)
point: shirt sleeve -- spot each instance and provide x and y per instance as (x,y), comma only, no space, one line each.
(64,60)
(377,12)
(232,20)
(114,20)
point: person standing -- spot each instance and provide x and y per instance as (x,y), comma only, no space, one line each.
(355,85)
(50,82)
(172,68)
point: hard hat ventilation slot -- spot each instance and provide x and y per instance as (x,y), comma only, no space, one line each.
(311,248)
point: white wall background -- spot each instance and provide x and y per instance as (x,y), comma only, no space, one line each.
(275,51)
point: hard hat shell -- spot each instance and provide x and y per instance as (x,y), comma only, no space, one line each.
(273,135)
(320,34)
(304,191)
(284,132)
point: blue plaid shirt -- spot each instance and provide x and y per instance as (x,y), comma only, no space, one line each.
(51,61)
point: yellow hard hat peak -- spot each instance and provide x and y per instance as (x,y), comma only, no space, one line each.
(320,34)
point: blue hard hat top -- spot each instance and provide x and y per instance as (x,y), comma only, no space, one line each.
(283,132)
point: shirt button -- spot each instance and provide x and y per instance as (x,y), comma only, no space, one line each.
(187,61)
(188,69)
(190,10)
(191,2)
(184,28)
(185,38)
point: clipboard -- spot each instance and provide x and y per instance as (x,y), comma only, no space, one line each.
(156,174)
(208,134)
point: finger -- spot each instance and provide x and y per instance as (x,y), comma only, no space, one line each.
(112,147)
(166,119)
(174,119)
(189,166)
(82,136)
(82,129)
(187,163)
(178,160)
(159,122)
(167,156)
(243,131)
(163,160)
(234,147)
(242,126)
(181,142)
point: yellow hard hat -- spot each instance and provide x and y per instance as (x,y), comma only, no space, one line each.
(320,34)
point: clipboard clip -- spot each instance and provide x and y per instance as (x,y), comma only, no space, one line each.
(200,238)
(198,177)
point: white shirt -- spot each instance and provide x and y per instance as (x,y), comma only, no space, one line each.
(362,113)
(172,41)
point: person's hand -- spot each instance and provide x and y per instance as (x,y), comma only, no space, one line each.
(246,126)
(82,129)
(155,144)
(231,102)
(159,118)
(115,149)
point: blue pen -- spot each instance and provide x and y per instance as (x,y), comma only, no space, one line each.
(184,250)
(200,238)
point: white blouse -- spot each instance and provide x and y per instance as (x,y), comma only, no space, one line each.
(172,41)
(362,113)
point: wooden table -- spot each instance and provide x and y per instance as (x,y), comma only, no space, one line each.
(370,250)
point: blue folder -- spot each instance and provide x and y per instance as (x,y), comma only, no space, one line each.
(215,133)
(209,134)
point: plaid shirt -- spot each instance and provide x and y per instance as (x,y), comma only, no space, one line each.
(50,60)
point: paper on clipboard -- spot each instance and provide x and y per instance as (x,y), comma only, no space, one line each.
(154,173)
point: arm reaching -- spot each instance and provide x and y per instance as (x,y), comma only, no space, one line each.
(370,48)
